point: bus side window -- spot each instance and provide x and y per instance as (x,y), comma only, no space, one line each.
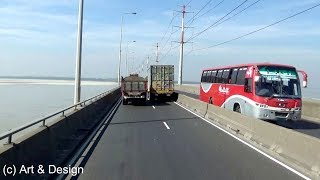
(213,76)
(248,85)
(241,75)
(208,76)
(234,76)
(203,78)
(219,76)
(225,76)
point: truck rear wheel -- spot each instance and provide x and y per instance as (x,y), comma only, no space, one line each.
(124,101)
(151,97)
(143,101)
(174,96)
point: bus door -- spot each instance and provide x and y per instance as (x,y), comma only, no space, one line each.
(248,83)
(225,87)
(248,89)
(219,96)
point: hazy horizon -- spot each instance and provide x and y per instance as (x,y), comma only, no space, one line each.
(40,36)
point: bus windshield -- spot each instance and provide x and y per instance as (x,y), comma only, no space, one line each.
(278,82)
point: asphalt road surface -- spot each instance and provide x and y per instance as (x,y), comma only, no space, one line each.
(164,141)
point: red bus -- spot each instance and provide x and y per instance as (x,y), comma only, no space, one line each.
(262,90)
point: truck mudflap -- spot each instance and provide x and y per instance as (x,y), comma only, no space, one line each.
(173,96)
(133,99)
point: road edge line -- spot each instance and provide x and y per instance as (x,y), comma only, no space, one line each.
(251,146)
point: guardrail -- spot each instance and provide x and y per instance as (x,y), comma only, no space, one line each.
(11,132)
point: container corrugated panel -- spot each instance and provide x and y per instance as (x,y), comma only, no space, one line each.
(162,78)
(133,82)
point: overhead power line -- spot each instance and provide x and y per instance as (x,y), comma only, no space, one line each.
(166,42)
(236,13)
(241,11)
(199,33)
(195,16)
(209,10)
(200,10)
(260,29)
(169,52)
(171,48)
(171,21)
(188,3)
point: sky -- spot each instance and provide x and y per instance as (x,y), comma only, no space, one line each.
(38,38)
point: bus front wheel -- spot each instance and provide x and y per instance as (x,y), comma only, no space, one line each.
(237,108)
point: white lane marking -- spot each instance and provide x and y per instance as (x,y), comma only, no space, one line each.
(251,146)
(166,125)
(153,107)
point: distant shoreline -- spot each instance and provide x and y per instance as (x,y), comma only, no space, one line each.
(71,79)
(57,78)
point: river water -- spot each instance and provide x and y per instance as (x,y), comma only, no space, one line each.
(23,101)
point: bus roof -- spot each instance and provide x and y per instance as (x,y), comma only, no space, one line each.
(247,65)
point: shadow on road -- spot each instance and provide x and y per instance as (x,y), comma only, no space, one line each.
(302,124)
(156,103)
(162,101)
(154,120)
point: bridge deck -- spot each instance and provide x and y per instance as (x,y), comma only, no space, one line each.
(138,145)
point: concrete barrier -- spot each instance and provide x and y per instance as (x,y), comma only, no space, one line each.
(189,89)
(310,108)
(299,150)
(53,145)
(193,104)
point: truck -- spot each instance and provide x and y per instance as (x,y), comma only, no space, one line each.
(134,89)
(161,83)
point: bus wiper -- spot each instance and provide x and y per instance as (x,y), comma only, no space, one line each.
(287,94)
(273,95)
(283,96)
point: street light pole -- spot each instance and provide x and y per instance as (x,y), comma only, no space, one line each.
(181,47)
(132,64)
(119,67)
(127,71)
(77,89)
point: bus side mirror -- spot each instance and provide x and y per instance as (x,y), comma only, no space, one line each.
(304,84)
(305,78)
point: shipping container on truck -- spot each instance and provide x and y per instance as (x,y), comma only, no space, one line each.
(161,82)
(134,89)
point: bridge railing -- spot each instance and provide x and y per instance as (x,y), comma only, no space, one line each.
(62,113)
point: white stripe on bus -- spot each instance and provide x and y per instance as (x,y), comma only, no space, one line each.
(253,103)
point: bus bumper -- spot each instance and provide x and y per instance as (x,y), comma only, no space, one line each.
(266,114)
